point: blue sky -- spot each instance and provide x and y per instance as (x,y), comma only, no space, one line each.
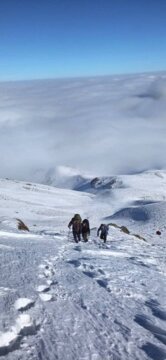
(68,38)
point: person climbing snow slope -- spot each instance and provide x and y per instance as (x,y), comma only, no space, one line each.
(75,223)
(103,232)
(85,229)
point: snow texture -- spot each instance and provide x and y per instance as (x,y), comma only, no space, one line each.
(62,300)
(23,304)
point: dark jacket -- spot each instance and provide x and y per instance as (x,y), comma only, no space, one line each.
(103,229)
(85,227)
(75,222)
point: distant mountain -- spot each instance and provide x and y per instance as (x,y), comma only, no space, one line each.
(69,178)
(129,196)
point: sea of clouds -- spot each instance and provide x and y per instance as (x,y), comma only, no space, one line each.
(100,125)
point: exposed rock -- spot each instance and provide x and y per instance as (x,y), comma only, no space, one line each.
(94,182)
(125,229)
(139,237)
(21,225)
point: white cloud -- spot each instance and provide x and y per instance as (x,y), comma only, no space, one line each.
(103,125)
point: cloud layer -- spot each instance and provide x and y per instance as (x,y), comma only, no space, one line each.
(102,125)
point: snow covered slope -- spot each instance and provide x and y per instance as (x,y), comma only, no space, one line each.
(86,301)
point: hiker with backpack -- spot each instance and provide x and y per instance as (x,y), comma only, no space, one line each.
(85,229)
(103,232)
(75,223)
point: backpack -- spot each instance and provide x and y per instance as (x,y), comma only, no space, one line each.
(85,225)
(77,217)
(77,225)
(104,229)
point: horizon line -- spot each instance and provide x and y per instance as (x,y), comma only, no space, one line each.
(83,76)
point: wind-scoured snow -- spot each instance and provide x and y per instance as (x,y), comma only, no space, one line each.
(86,301)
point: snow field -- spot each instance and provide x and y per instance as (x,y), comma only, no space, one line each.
(80,301)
